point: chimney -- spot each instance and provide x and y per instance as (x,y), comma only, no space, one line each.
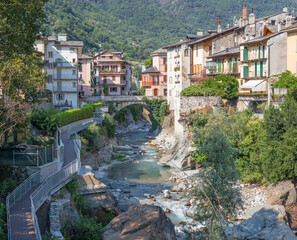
(285,9)
(252,17)
(244,12)
(200,33)
(62,37)
(219,25)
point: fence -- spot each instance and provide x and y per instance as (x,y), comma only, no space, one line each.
(52,184)
(19,193)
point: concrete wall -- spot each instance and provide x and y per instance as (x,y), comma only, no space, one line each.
(292,52)
(278,54)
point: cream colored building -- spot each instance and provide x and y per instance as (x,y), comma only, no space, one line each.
(292,48)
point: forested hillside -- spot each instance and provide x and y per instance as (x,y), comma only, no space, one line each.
(140,26)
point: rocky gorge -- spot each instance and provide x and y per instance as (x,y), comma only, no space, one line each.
(145,181)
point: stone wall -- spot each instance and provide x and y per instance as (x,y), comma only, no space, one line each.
(189,104)
(224,42)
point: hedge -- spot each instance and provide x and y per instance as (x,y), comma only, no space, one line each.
(74,115)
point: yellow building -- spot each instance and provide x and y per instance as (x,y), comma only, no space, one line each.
(292,48)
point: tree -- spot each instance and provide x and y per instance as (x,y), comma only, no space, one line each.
(148,63)
(218,199)
(20,22)
(287,81)
(141,90)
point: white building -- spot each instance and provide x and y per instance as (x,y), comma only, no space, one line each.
(62,69)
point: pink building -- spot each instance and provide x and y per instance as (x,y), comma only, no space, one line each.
(111,74)
(84,76)
(154,79)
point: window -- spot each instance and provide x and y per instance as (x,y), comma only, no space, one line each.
(49,78)
(110,57)
(72,50)
(123,67)
(155,80)
(60,96)
(74,84)
(73,72)
(73,60)
(186,52)
(170,80)
(59,49)
(50,65)
(81,88)
(165,92)
(113,89)
(102,56)
(256,69)
(170,92)
(273,22)
(95,91)
(50,54)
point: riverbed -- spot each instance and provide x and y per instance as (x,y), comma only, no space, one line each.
(140,179)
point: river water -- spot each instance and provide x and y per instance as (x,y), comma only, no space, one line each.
(142,175)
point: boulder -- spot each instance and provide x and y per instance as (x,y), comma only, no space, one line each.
(101,205)
(124,148)
(90,185)
(292,216)
(264,225)
(283,193)
(143,222)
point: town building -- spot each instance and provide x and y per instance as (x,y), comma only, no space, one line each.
(291,48)
(112,74)
(84,76)
(154,79)
(61,57)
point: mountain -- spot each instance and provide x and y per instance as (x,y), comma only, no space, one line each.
(140,26)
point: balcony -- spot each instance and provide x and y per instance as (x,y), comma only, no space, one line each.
(65,78)
(251,60)
(64,89)
(123,71)
(63,103)
(64,65)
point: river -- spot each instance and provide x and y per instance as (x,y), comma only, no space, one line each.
(141,176)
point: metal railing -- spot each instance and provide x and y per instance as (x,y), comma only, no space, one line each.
(52,184)
(65,89)
(18,194)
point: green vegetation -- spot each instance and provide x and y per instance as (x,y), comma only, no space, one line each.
(49,119)
(109,125)
(159,109)
(140,27)
(141,90)
(287,81)
(148,63)
(265,149)
(222,85)
(77,198)
(135,110)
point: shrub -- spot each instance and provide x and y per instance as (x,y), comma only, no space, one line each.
(222,85)
(42,119)
(109,125)
(141,90)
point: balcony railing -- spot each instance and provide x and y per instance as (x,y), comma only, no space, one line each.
(65,65)
(66,78)
(123,71)
(64,89)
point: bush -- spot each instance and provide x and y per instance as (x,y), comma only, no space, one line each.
(135,110)
(42,119)
(141,90)
(91,137)
(288,81)
(222,85)
(109,125)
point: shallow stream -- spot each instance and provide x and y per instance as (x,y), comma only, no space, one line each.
(142,175)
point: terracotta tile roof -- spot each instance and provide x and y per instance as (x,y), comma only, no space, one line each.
(151,70)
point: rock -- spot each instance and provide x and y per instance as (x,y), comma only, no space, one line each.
(182,186)
(90,185)
(192,211)
(292,216)
(167,211)
(124,148)
(176,189)
(278,209)
(283,193)
(125,203)
(143,222)
(180,197)
(264,225)
(100,205)
(167,194)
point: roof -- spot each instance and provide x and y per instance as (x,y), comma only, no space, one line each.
(175,45)
(226,52)
(210,36)
(252,83)
(69,43)
(151,70)
(260,39)
(84,56)
(160,51)
(290,28)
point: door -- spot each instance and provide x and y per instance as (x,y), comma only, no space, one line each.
(155,92)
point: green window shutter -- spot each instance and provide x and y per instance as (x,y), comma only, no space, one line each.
(259,51)
(223,67)
(256,69)
(263,49)
(219,65)
(245,54)
(235,59)
(261,69)
(246,71)
(230,64)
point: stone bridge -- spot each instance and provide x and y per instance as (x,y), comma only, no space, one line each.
(120,102)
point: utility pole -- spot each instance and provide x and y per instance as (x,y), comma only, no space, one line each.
(269,77)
